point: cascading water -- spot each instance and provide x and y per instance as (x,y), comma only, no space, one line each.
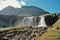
(42,22)
(23,23)
(33,21)
(27,21)
(30,21)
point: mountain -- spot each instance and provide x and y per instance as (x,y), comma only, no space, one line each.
(29,10)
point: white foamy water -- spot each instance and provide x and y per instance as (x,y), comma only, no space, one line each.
(27,21)
(42,22)
(32,21)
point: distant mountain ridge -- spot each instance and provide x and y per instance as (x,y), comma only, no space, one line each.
(24,10)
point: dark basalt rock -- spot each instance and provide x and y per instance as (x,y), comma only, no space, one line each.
(51,19)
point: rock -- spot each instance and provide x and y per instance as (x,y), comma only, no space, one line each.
(51,19)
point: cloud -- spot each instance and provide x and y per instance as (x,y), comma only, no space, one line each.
(13,3)
(23,3)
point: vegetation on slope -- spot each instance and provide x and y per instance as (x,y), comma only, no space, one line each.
(52,33)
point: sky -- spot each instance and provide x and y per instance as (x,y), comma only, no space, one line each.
(52,6)
(47,5)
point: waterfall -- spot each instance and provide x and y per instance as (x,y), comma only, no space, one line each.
(27,21)
(42,22)
(23,23)
(32,21)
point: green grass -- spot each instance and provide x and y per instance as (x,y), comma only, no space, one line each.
(52,33)
(57,23)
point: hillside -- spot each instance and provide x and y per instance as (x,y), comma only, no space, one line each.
(25,10)
(52,33)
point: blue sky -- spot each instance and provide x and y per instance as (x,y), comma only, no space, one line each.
(48,5)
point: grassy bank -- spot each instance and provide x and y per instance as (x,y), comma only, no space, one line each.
(52,33)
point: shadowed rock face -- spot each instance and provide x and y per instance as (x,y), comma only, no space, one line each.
(51,19)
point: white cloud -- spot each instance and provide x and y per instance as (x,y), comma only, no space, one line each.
(13,3)
(23,3)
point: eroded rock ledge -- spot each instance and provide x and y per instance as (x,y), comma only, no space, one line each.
(26,33)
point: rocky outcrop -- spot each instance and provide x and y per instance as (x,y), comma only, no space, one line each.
(51,19)
(25,33)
